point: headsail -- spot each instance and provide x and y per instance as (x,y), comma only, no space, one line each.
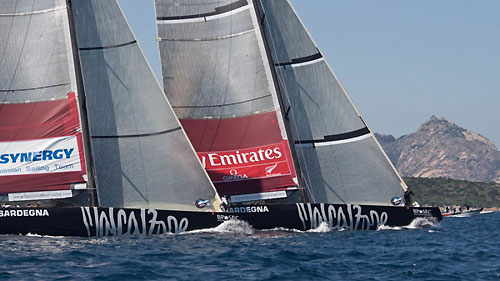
(142,156)
(41,149)
(338,155)
(217,75)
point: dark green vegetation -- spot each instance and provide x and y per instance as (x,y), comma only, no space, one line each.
(446,192)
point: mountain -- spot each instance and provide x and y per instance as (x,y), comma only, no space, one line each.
(440,148)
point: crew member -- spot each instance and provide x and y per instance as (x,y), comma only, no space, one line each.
(409,198)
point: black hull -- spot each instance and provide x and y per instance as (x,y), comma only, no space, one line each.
(89,221)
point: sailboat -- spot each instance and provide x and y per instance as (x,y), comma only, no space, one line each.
(256,126)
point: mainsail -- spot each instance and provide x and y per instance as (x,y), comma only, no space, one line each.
(217,76)
(341,160)
(41,147)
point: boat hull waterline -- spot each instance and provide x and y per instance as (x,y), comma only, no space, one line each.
(96,221)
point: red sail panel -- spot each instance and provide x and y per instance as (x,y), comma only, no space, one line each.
(243,155)
(41,146)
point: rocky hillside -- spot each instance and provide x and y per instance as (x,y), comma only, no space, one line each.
(440,148)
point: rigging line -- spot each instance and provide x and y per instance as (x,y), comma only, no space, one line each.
(222,105)
(138,135)
(108,47)
(135,187)
(35,88)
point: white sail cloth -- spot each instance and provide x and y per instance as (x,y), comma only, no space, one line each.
(142,156)
(339,157)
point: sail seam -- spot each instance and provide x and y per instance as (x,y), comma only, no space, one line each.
(209,39)
(227,9)
(35,12)
(138,135)
(301,60)
(36,88)
(108,47)
(222,105)
(203,19)
(363,132)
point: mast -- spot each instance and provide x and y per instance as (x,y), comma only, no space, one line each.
(83,109)
(284,113)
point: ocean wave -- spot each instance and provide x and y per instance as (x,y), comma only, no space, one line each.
(417,223)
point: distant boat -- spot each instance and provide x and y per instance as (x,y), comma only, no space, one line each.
(90,145)
(463,214)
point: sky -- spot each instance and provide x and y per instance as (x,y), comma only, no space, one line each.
(400,61)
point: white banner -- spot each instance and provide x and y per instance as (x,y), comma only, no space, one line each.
(27,196)
(258,196)
(43,156)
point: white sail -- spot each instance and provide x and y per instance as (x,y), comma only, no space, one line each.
(339,157)
(217,75)
(38,103)
(36,62)
(141,155)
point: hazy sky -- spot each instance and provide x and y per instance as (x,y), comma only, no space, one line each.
(400,61)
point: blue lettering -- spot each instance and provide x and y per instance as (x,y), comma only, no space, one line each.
(47,155)
(25,157)
(68,152)
(58,154)
(14,157)
(4,158)
(44,155)
(37,156)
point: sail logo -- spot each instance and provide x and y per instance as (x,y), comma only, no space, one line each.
(246,164)
(50,155)
(422,212)
(270,169)
(36,156)
(235,158)
(346,217)
(234,176)
(111,222)
(249,209)
(24,213)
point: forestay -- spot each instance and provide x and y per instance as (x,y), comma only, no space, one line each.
(142,156)
(339,156)
(217,75)
(41,149)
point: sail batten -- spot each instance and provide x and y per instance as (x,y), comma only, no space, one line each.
(108,47)
(301,60)
(202,17)
(34,12)
(140,135)
(35,88)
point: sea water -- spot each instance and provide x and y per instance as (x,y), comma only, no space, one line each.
(455,249)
